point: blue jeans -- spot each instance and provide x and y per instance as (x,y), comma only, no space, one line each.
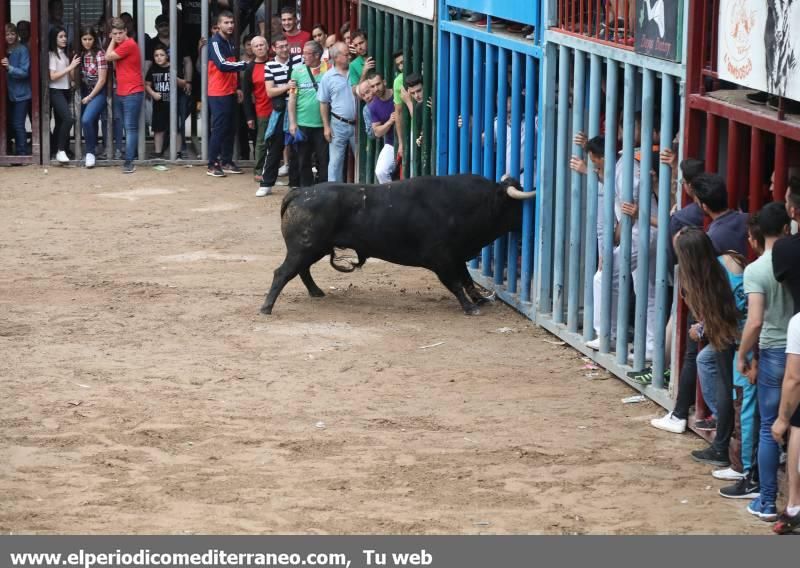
(771,365)
(220,147)
(707,372)
(344,135)
(131,109)
(116,123)
(18,111)
(90,114)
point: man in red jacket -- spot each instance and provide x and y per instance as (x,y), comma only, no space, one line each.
(257,104)
(124,52)
(223,77)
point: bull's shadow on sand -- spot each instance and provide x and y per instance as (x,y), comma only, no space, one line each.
(438,223)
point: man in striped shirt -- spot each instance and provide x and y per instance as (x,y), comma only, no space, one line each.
(276,78)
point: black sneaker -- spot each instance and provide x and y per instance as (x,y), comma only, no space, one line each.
(711,456)
(215,171)
(745,488)
(128,168)
(231,168)
(707,425)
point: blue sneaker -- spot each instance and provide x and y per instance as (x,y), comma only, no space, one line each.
(764,511)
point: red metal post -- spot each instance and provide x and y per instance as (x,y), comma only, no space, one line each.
(756,169)
(732,180)
(781,169)
(3,81)
(712,143)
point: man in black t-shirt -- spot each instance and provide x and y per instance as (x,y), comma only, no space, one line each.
(786,252)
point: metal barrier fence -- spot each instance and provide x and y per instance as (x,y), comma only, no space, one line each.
(389,31)
(487,101)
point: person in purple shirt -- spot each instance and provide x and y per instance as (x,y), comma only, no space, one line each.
(381,109)
(692,214)
(728,228)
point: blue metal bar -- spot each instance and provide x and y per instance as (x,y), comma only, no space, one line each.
(478,55)
(442,94)
(543,253)
(519,45)
(626,196)
(529,172)
(488,155)
(463,144)
(609,219)
(452,107)
(516,132)
(562,172)
(590,246)
(501,167)
(664,183)
(576,195)
(645,192)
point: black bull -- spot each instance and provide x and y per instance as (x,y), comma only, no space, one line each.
(438,223)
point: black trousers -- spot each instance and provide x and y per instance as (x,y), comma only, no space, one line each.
(60,103)
(269,174)
(687,381)
(725,409)
(315,145)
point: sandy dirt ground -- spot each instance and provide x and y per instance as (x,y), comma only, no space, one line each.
(144,393)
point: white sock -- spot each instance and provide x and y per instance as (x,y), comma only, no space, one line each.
(792,511)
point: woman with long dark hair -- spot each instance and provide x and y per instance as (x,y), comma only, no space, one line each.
(707,283)
(93,74)
(60,68)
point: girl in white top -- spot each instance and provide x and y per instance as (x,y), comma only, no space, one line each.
(60,68)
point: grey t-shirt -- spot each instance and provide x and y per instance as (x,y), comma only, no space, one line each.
(778,306)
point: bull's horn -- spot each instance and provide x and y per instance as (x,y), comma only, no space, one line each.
(514,193)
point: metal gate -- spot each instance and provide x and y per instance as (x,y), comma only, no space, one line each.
(487,101)
(389,31)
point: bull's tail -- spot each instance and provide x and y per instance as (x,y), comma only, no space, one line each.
(351,266)
(288,198)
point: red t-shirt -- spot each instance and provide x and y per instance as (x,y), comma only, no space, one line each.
(128,68)
(262,101)
(297,41)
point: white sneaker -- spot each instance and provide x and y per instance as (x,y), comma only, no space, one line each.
(283,171)
(728,474)
(669,423)
(593,344)
(89,160)
(61,157)
(262,191)
(648,356)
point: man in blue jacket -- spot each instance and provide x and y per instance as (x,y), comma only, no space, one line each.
(18,65)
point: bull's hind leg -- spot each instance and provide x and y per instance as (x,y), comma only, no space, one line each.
(451,277)
(313,290)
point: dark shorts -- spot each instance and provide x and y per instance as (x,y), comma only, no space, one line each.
(160,116)
(795,419)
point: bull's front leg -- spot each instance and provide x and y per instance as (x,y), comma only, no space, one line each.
(472,291)
(452,280)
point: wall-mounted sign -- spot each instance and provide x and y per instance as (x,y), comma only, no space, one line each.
(758,45)
(421,8)
(657,29)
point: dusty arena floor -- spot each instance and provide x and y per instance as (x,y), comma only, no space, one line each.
(144,393)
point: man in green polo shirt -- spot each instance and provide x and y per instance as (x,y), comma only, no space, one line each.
(361,64)
(399,105)
(305,117)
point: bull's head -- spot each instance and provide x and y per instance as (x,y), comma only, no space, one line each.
(511,194)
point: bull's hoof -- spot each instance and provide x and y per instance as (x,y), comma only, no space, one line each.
(473,311)
(266,310)
(316,293)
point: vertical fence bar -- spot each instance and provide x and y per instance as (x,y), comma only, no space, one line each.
(662,268)
(500,155)
(174,125)
(591,236)
(44,84)
(4,150)
(626,191)
(427,114)
(609,219)
(475,117)
(561,184)
(488,154)
(204,28)
(442,95)
(575,211)
(463,139)
(516,133)
(141,41)
(756,169)
(452,132)
(712,142)
(75,100)
(732,168)
(641,317)
(781,169)
(529,166)
(410,64)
